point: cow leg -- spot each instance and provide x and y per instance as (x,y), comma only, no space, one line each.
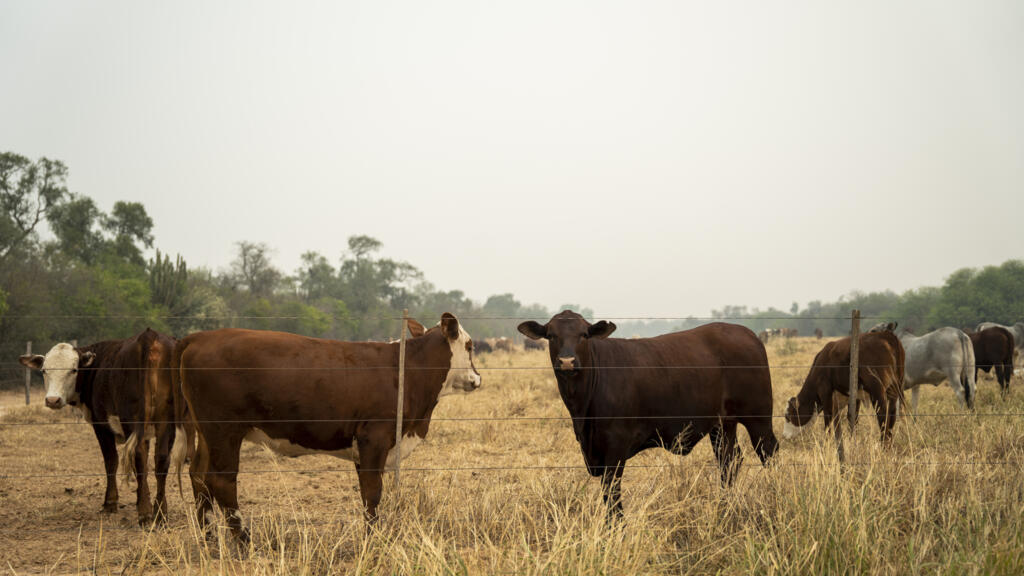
(729,459)
(373,454)
(142,504)
(162,462)
(914,393)
(611,487)
(108,447)
(222,480)
(834,425)
(963,396)
(197,476)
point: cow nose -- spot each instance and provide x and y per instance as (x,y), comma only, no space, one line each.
(53,401)
(566,363)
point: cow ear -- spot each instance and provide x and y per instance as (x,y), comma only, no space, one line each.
(602,329)
(892,326)
(85,359)
(33,361)
(450,326)
(533,330)
(415,328)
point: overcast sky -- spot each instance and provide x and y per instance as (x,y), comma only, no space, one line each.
(639,158)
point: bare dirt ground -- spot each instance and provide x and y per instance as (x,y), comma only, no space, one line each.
(946,497)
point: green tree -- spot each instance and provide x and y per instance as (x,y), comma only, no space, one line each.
(28,192)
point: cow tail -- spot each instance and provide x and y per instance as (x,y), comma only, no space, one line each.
(128,455)
(181,413)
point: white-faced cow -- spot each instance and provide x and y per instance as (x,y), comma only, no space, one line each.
(120,386)
(625,396)
(300,395)
(827,386)
(945,354)
(1017,330)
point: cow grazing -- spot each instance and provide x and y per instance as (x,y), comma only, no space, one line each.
(993,350)
(945,354)
(123,387)
(879,378)
(625,396)
(299,395)
(534,344)
(482,346)
(1017,330)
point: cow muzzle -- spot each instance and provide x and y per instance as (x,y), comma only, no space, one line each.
(567,363)
(54,402)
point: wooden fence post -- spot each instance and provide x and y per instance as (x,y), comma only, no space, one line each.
(28,372)
(401,396)
(854,366)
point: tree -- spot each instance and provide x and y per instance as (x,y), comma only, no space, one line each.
(129,223)
(252,268)
(28,192)
(316,277)
(74,224)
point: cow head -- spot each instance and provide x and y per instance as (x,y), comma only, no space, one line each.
(567,333)
(796,417)
(462,374)
(60,372)
(884,327)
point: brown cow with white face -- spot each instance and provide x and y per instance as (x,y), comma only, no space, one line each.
(120,386)
(300,395)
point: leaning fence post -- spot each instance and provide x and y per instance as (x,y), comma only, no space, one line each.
(401,396)
(854,365)
(28,372)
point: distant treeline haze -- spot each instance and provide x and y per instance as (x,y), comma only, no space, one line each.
(91,281)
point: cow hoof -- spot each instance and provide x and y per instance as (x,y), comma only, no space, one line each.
(145,522)
(109,508)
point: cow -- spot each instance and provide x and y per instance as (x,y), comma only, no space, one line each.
(502,343)
(943,354)
(818,333)
(1017,330)
(299,395)
(764,335)
(534,345)
(625,396)
(879,378)
(993,349)
(790,332)
(482,346)
(123,388)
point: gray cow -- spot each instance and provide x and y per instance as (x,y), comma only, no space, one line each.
(945,354)
(1018,340)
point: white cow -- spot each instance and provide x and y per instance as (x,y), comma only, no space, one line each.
(945,354)
(1018,340)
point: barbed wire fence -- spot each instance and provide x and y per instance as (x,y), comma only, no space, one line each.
(11,371)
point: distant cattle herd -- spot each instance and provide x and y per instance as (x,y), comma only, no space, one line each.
(299,395)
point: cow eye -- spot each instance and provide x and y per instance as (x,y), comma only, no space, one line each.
(74,370)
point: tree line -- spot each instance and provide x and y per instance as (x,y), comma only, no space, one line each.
(89,279)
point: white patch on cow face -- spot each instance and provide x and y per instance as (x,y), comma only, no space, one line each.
(60,369)
(790,430)
(462,375)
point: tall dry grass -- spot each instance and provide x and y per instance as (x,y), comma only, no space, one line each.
(946,497)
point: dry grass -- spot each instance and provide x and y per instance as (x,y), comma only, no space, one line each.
(947,497)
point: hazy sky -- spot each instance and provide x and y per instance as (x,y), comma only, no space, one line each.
(640,158)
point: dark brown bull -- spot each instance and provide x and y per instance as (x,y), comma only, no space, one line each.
(625,396)
(120,386)
(993,349)
(534,345)
(880,377)
(301,395)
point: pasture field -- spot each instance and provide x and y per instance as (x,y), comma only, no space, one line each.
(511,496)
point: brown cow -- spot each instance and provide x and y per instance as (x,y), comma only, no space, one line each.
(120,386)
(625,396)
(993,348)
(818,333)
(880,377)
(300,395)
